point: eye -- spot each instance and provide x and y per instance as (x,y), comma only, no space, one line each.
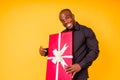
(61,20)
(67,17)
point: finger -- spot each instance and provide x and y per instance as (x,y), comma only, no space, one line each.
(42,51)
(73,74)
(41,48)
(68,69)
(45,50)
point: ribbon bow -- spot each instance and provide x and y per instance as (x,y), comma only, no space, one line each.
(58,56)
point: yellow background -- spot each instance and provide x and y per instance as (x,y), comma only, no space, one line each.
(25,25)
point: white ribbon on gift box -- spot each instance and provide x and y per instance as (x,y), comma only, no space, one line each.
(58,56)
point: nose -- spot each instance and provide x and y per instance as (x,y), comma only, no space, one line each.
(65,21)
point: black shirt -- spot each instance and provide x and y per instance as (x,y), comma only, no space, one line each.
(85,49)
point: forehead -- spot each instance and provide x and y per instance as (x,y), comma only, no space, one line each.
(65,13)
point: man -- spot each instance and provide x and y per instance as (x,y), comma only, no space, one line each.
(85,46)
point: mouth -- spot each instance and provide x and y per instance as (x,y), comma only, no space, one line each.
(69,25)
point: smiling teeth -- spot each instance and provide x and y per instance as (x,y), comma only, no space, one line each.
(68,25)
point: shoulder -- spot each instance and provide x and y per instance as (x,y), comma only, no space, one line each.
(87,30)
(80,26)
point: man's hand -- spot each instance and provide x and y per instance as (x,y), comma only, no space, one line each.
(73,69)
(42,51)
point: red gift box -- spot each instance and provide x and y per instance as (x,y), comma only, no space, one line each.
(59,56)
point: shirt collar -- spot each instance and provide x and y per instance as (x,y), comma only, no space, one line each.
(77,26)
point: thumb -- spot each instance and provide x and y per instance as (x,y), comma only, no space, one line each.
(73,74)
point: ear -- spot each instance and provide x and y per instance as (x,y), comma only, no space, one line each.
(73,16)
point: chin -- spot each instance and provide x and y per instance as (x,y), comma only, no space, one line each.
(70,27)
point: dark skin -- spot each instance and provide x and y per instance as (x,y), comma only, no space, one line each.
(68,20)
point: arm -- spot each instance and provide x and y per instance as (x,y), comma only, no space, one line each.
(93,50)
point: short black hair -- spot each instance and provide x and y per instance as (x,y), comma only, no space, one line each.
(65,10)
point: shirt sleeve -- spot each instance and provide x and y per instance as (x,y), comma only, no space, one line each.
(93,50)
(46,53)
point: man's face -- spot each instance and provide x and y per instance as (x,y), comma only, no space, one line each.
(67,19)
